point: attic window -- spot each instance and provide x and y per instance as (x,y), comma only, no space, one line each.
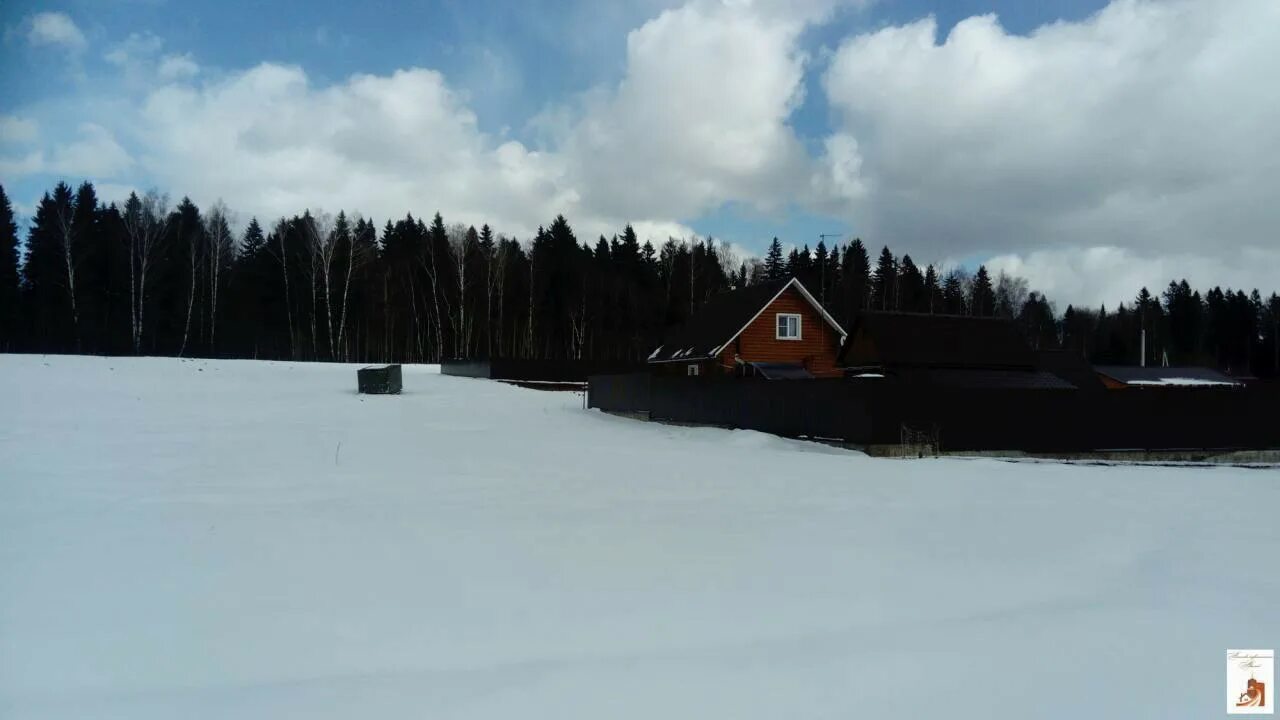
(788,325)
(692,370)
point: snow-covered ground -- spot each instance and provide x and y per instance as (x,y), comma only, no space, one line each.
(204,539)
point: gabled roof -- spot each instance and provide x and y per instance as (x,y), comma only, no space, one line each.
(985,379)
(1166,376)
(1070,365)
(722,318)
(924,340)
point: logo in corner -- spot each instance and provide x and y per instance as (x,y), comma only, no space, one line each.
(1250,682)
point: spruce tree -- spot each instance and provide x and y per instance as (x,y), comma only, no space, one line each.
(855,281)
(982,299)
(953,300)
(8,276)
(774,269)
(911,287)
(883,284)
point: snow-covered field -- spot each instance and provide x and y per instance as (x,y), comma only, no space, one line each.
(204,539)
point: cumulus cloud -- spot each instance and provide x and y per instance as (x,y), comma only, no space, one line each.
(174,67)
(94,153)
(1144,128)
(269,142)
(55,29)
(1092,156)
(15,130)
(700,117)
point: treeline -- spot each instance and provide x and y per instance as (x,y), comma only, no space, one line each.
(150,279)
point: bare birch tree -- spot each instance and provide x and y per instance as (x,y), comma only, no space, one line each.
(281,253)
(221,250)
(65,217)
(145,221)
(195,238)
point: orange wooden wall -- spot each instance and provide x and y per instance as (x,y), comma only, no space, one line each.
(816,349)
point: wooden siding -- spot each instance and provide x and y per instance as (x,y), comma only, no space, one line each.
(816,349)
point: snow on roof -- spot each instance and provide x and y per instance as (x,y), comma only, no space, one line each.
(1184,381)
(1167,376)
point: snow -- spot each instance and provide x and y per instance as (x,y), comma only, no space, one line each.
(1179,381)
(218,539)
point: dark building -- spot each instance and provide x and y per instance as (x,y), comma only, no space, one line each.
(1121,377)
(945,351)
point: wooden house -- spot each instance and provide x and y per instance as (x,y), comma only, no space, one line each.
(774,330)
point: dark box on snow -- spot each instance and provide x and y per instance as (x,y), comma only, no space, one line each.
(379,380)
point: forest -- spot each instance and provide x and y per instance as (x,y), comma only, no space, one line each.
(151,278)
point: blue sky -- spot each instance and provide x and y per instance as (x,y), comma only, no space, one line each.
(854,117)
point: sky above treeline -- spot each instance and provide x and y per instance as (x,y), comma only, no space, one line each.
(1091,147)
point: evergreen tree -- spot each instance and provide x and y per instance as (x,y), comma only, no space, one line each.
(774,269)
(911,287)
(883,284)
(8,276)
(982,298)
(49,275)
(855,281)
(932,292)
(953,299)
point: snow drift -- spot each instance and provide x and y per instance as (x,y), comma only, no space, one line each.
(207,539)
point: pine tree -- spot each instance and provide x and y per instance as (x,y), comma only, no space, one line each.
(8,276)
(774,269)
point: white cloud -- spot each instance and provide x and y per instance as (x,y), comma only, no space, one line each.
(270,143)
(662,146)
(1149,127)
(176,67)
(15,130)
(1111,275)
(95,154)
(700,117)
(55,29)
(135,49)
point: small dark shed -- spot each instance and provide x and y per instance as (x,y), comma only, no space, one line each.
(379,380)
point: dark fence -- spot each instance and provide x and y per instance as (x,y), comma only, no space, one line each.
(532,370)
(873,413)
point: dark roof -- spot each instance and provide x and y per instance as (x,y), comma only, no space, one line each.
(985,379)
(1070,365)
(782,371)
(1168,376)
(716,322)
(923,340)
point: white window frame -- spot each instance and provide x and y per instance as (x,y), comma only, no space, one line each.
(692,370)
(777,331)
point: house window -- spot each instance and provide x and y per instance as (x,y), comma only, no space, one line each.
(692,370)
(788,326)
